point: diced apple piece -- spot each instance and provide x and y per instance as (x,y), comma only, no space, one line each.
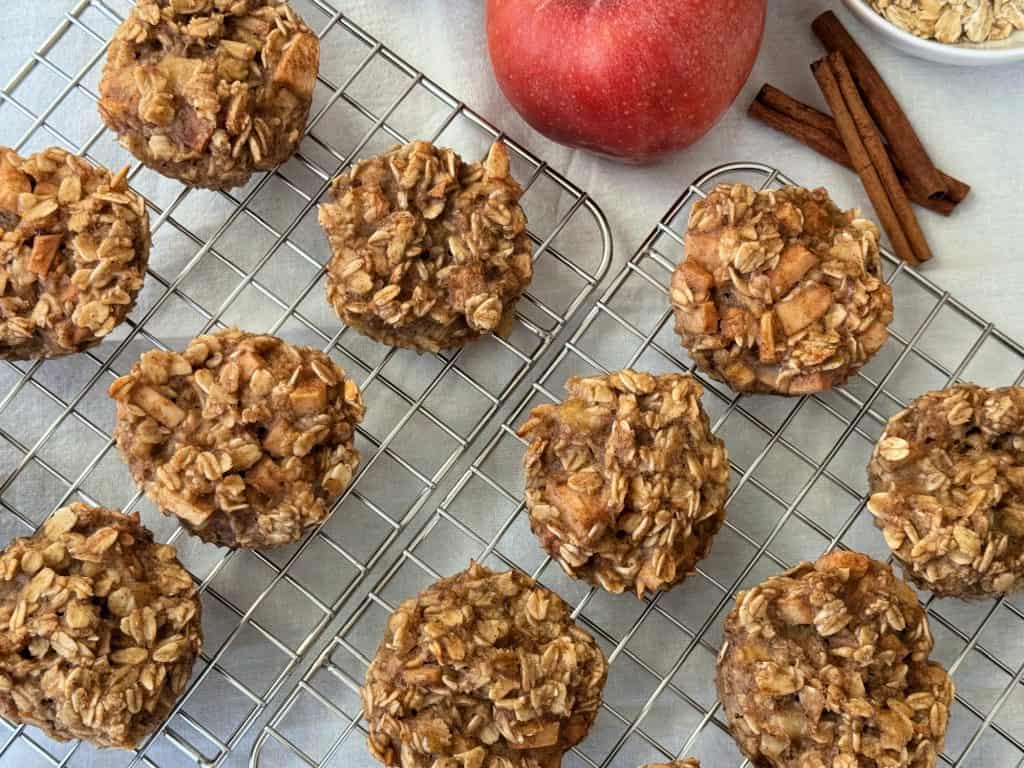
(298,66)
(280,439)
(579,511)
(311,397)
(178,70)
(545,736)
(702,248)
(809,383)
(795,262)
(696,278)
(766,350)
(874,336)
(44,248)
(12,183)
(804,308)
(157,406)
(739,375)
(701,319)
(249,363)
(264,477)
(735,323)
(817,220)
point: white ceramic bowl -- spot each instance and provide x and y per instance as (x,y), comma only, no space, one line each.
(962,54)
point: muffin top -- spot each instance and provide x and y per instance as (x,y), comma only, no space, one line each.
(780,291)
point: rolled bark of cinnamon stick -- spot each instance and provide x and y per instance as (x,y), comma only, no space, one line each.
(782,102)
(825,75)
(832,147)
(872,140)
(911,156)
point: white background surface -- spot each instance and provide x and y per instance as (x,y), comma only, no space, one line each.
(971,120)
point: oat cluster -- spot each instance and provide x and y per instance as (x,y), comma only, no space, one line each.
(955,21)
(102,627)
(947,483)
(74,244)
(482,670)
(625,482)
(827,666)
(208,91)
(780,291)
(246,439)
(430,252)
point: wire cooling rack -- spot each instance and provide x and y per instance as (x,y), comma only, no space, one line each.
(255,258)
(798,489)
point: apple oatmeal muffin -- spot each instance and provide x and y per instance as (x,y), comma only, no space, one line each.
(430,252)
(780,291)
(947,490)
(482,669)
(827,666)
(246,439)
(625,481)
(101,628)
(74,244)
(209,91)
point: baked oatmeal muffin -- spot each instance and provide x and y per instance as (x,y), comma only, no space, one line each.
(208,91)
(246,439)
(947,490)
(430,252)
(101,628)
(826,666)
(625,482)
(482,669)
(780,291)
(74,244)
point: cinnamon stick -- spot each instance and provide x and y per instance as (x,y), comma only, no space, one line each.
(825,75)
(872,140)
(832,148)
(911,156)
(782,104)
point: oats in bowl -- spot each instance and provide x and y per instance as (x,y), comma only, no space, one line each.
(625,482)
(430,252)
(780,291)
(955,21)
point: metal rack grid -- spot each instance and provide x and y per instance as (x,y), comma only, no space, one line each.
(798,489)
(255,258)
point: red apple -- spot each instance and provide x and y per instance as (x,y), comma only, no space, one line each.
(633,79)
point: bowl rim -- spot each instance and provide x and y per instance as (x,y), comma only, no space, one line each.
(951,52)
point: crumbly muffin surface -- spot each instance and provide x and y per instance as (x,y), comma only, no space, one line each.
(208,91)
(430,252)
(780,291)
(74,244)
(947,483)
(625,482)
(247,439)
(482,669)
(827,666)
(101,628)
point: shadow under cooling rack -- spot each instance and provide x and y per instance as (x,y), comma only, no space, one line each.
(798,489)
(255,257)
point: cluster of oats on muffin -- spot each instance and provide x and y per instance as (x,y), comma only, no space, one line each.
(249,441)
